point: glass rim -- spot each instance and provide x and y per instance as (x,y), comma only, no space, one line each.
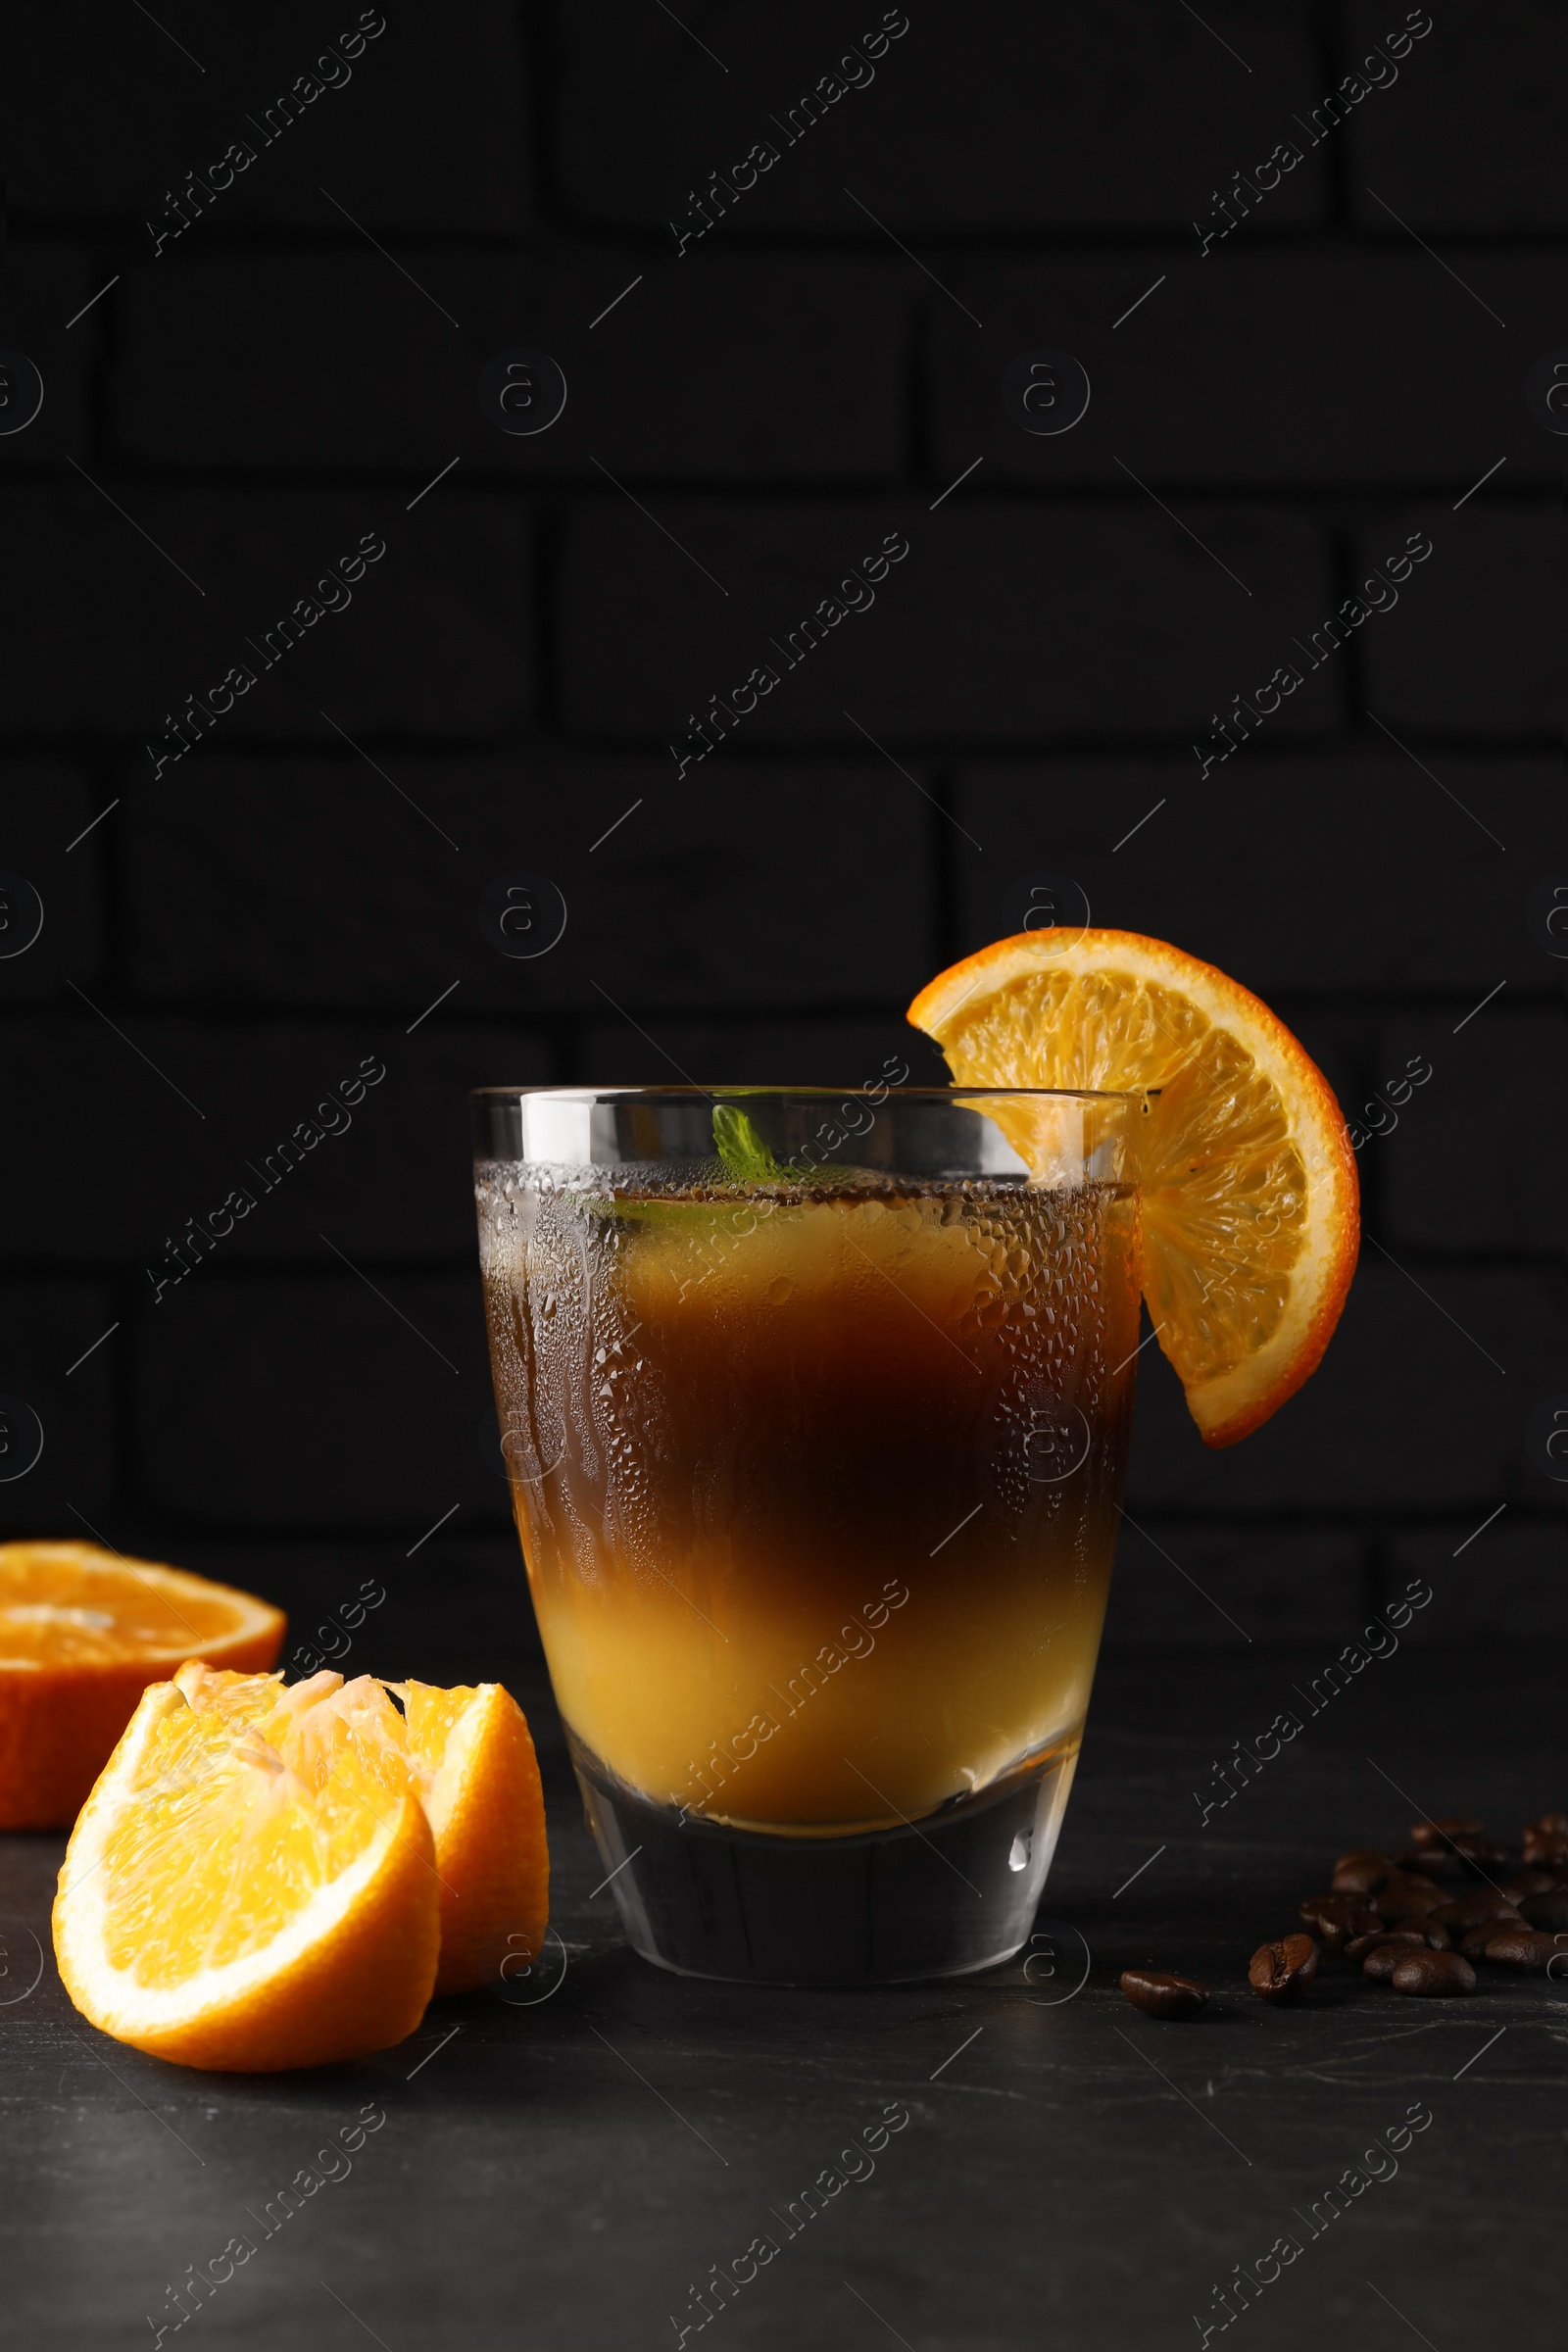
(878,1095)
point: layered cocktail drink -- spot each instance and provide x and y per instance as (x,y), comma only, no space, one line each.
(814,1411)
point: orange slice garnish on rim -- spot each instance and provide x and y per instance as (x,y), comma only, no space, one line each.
(1250,1195)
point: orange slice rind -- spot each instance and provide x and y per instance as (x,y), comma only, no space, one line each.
(1249,1197)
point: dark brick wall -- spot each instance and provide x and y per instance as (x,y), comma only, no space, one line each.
(241,929)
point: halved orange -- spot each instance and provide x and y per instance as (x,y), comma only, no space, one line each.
(1250,1195)
(241,1890)
(83,1632)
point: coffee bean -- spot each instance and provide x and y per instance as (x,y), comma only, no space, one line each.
(1532,1882)
(1360,1945)
(1361,1871)
(1480,1856)
(1474,1941)
(1423,1932)
(1395,1904)
(1280,1972)
(1384,1957)
(1546,1839)
(1474,1910)
(1160,1995)
(1439,1833)
(1547,1910)
(1338,1917)
(1527,1947)
(1429,1859)
(1435,1974)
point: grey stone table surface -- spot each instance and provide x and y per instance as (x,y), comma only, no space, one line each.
(566,2176)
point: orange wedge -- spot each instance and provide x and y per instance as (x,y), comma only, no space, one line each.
(241,1890)
(83,1632)
(1249,1197)
(475,1769)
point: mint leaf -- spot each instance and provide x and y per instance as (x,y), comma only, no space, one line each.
(747,1158)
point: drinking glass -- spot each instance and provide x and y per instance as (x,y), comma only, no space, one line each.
(814,1406)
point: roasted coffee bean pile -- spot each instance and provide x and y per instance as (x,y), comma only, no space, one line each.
(1392,1914)
(1420,1920)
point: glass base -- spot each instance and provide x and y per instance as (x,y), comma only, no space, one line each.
(945,1896)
